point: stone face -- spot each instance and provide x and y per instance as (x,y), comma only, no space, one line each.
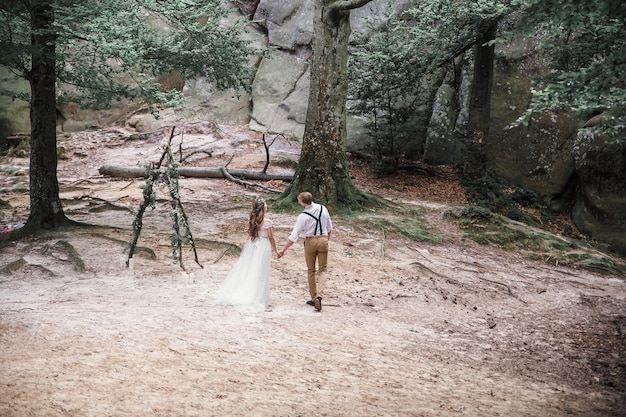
(574,173)
(535,157)
(365,19)
(599,204)
(289,23)
(281,93)
(14,114)
(202,101)
(577,173)
(440,142)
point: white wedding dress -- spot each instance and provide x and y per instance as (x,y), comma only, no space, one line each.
(247,285)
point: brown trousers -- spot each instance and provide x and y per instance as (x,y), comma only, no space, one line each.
(316,249)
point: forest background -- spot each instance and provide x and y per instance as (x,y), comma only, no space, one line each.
(82,47)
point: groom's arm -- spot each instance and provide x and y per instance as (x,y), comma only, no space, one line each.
(287,246)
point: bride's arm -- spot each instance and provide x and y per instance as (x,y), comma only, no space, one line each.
(270,236)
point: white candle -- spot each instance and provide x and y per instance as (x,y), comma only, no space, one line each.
(131,264)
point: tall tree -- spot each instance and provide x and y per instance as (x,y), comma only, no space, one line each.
(480,104)
(323,165)
(101,51)
(378,70)
(46,208)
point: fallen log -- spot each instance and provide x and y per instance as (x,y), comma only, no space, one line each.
(195,172)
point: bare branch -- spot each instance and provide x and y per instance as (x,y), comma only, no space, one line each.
(246,183)
(267,151)
(204,151)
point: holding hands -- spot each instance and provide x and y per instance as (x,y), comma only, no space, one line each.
(280,253)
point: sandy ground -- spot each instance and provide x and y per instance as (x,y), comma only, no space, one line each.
(407,328)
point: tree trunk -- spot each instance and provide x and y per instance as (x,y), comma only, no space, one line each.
(195,172)
(45,204)
(323,165)
(480,105)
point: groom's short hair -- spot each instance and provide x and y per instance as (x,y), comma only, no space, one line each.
(305,197)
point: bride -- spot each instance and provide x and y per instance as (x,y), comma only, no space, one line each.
(247,285)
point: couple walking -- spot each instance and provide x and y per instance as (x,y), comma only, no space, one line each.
(248,282)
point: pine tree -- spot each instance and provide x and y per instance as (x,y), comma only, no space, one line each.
(101,51)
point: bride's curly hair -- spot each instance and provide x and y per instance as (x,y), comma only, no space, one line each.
(257,214)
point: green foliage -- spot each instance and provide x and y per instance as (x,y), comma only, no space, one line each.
(386,72)
(116,49)
(159,174)
(444,29)
(490,193)
(408,223)
(486,227)
(166,175)
(586,43)
(22,148)
(378,71)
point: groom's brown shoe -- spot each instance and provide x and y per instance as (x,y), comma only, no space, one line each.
(318,303)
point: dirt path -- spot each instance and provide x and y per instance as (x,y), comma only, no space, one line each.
(407,328)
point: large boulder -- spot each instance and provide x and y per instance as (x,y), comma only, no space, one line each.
(14,114)
(599,198)
(289,24)
(281,85)
(281,94)
(576,172)
(203,101)
(440,146)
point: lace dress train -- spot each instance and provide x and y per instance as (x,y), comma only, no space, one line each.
(247,285)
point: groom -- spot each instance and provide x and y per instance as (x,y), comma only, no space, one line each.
(315,223)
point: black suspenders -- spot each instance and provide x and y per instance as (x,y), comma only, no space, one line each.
(318,219)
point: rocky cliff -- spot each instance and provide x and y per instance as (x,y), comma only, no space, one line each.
(577,173)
